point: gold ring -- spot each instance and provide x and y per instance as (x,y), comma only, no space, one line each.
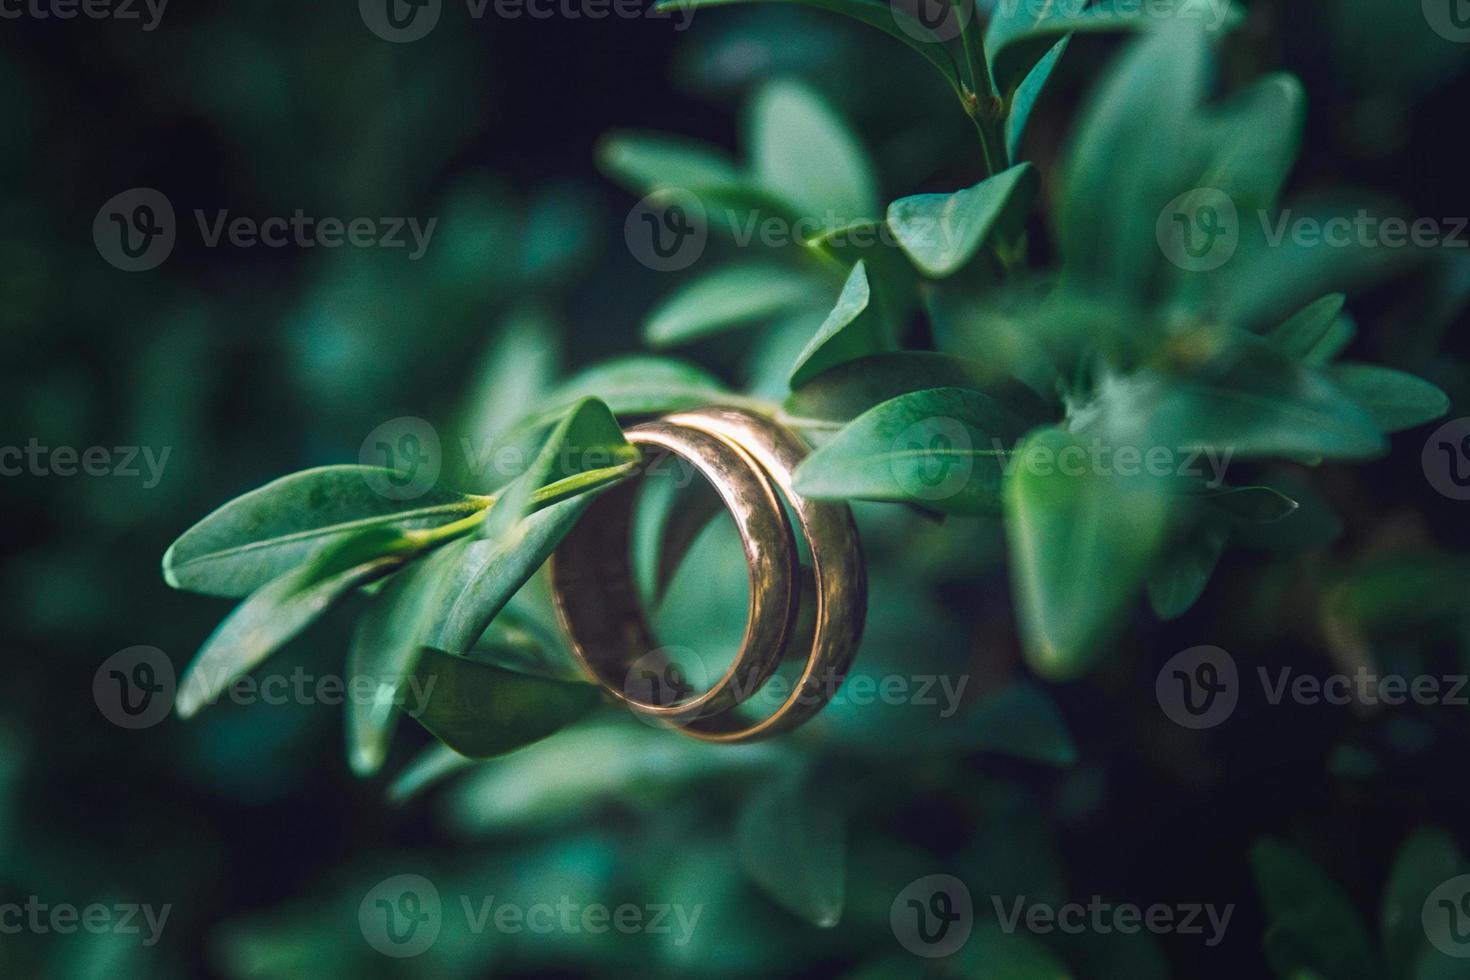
(598,604)
(741,455)
(838,572)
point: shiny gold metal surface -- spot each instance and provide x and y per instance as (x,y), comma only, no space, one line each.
(598,604)
(747,458)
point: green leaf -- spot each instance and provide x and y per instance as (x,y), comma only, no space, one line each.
(874,13)
(994,954)
(1023,103)
(445,601)
(1021,721)
(515,372)
(1394,399)
(1252,401)
(1182,571)
(731,297)
(1311,925)
(942,232)
(1020,34)
(257,538)
(1253,139)
(1080,544)
(1424,861)
(791,839)
(279,610)
(1301,335)
(629,386)
(805,154)
(1123,167)
(586,449)
(1258,505)
(942,448)
(851,330)
(482,711)
(1338,336)
(647,162)
(848,390)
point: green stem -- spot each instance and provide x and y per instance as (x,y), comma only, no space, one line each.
(982,104)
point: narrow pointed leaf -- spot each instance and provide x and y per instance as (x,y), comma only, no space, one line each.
(279,610)
(731,297)
(804,153)
(942,448)
(942,232)
(646,162)
(1394,399)
(445,601)
(1023,103)
(791,839)
(853,329)
(1080,544)
(256,538)
(1182,571)
(1301,334)
(1311,925)
(481,711)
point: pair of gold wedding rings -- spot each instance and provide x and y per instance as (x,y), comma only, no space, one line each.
(749,461)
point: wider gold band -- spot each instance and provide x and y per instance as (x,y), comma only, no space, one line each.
(747,459)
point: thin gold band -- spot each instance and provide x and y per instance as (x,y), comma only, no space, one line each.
(741,455)
(597,600)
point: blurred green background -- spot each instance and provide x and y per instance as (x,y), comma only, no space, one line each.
(250,363)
